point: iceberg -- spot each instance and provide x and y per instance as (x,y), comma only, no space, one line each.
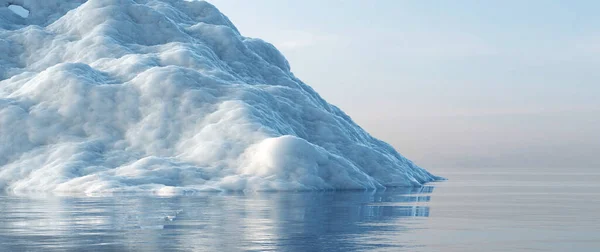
(167,97)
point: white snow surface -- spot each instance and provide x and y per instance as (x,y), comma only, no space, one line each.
(167,97)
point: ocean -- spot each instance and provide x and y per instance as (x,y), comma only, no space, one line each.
(474,210)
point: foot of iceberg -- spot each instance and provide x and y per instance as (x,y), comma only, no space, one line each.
(167,97)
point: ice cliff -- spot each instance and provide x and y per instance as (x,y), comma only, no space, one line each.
(168,97)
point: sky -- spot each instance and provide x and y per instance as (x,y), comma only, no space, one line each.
(449,83)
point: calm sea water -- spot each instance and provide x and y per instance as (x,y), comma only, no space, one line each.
(475,210)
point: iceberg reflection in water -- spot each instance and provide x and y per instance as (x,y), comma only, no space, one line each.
(304,221)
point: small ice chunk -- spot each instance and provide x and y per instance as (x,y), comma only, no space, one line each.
(19,10)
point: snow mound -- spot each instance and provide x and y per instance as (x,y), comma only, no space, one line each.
(167,97)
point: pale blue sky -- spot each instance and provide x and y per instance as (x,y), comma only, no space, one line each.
(449,83)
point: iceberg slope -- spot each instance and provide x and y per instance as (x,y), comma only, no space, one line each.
(167,97)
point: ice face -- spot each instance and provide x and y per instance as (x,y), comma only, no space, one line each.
(167,97)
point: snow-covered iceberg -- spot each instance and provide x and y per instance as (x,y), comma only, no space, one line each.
(168,97)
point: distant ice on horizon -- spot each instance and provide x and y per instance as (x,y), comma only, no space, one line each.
(168,97)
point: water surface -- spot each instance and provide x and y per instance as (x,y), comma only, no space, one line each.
(493,210)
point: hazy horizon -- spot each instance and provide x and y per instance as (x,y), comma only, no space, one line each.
(468,84)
